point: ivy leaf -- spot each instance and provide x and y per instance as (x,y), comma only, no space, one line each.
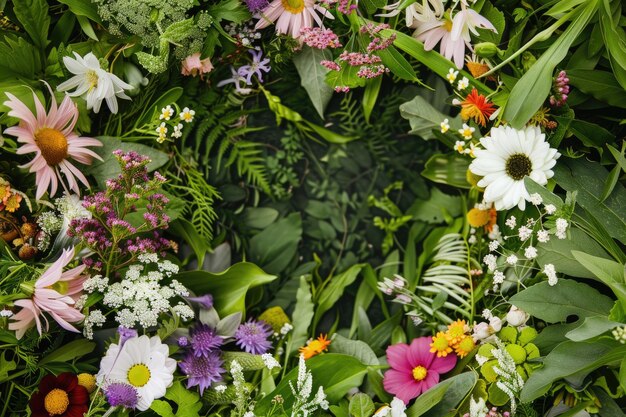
(188,402)
(313,76)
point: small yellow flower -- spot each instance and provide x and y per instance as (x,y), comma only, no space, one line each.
(88,381)
(459,146)
(13,202)
(456,330)
(465,346)
(315,347)
(467,131)
(445,126)
(451,75)
(440,345)
(187,115)
(166,113)
(477,217)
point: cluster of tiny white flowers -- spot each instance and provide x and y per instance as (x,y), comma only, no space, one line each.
(619,333)
(140,297)
(511,259)
(269,361)
(245,33)
(6,313)
(530,252)
(491,262)
(550,208)
(550,272)
(95,318)
(561,228)
(524,233)
(167,114)
(220,388)
(536,199)
(511,222)
(241,389)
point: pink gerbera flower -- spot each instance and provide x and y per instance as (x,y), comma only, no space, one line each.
(55,293)
(51,137)
(414,369)
(291,16)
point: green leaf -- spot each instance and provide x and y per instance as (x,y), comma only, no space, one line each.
(591,327)
(68,352)
(437,208)
(450,169)
(33,15)
(496,17)
(571,358)
(110,168)
(615,42)
(547,197)
(529,93)
(555,303)
(83,8)
(151,112)
(355,348)
(611,273)
(588,178)
(24,60)
(423,118)
(345,77)
(398,65)
(6,366)
(370,95)
(274,247)
(260,217)
(361,405)
(301,317)
(337,373)
(333,291)
(229,288)
(188,402)
(313,76)
(600,85)
(436,398)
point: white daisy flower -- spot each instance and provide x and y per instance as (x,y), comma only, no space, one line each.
(467,133)
(93,83)
(509,156)
(142,362)
(187,115)
(445,126)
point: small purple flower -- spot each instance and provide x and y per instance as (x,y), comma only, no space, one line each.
(236,79)
(204,340)
(202,371)
(256,67)
(182,341)
(205,301)
(119,393)
(256,5)
(252,337)
(125,334)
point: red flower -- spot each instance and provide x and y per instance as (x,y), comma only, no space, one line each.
(475,106)
(59,396)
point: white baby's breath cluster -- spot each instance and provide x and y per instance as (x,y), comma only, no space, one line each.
(140,298)
(303,406)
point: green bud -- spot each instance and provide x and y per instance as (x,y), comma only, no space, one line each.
(248,361)
(486,49)
(229,396)
(154,15)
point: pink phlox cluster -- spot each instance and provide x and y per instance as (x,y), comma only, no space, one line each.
(372,71)
(346,7)
(320,38)
(331,65)
(561,90)
(357,59)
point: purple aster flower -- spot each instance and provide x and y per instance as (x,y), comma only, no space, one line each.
(256,5)
(205,301)
(204,340)
(252,337)
(255,67)
(202,371)
(119,393)
(125,334)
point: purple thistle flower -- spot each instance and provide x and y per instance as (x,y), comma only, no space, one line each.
(205,301)
(119,393)
(256,5)
(202,371)
(258,66)
(204,340)
(252,337)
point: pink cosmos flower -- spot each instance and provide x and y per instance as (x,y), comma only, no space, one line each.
(51,137)
(291,16)
(414,369)
(55,293)
(193,65)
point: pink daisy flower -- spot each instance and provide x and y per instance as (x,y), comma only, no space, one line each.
(55,293)
(51,137)
(291,16)
(414,369)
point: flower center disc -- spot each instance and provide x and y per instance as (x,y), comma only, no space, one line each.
(518,166)
(53,145)
(56,402)
(92,78)
(419,373)
(293,6)
(138,375)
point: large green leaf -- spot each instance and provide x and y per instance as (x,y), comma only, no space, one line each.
(611,273)
(33,15)
(555,303)
(337,373)
(69,352)
(450,169)
(355,348)
(187,402)
(333,291)
(529,93)
(443,397)
(570,358)
(615,42)
(24,60)
(313,76)
(301,317)
(274,247)
(424,117)
(588,178)
(600,85)
(229,288)
(398,65)
(591,327)
(83,8)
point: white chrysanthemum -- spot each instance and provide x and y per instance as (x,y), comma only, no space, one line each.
(142,362)
(94,83)
(509,156)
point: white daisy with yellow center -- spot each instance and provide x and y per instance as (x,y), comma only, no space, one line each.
(466,131)
(166,113)
(141,362)
(187,115)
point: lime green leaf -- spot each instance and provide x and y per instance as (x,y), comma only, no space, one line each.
(187,402)
(370,95)
(83,8)
(398,65)
(361,405)
(443,397)
(229,288)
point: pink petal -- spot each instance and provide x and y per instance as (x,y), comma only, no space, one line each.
(443,364)
(398,357)
(401,384)
(419,353)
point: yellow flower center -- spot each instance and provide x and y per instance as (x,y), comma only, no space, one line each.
(138,375)
(88,381)
(419,373)
(465,346)
(440,345)
(60,286)
(447,25)
(92,78)
(293,6)
(56,402)
(52,144)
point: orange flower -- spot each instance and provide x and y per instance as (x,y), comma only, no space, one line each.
(475,106)
(315,347)
(493,219)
